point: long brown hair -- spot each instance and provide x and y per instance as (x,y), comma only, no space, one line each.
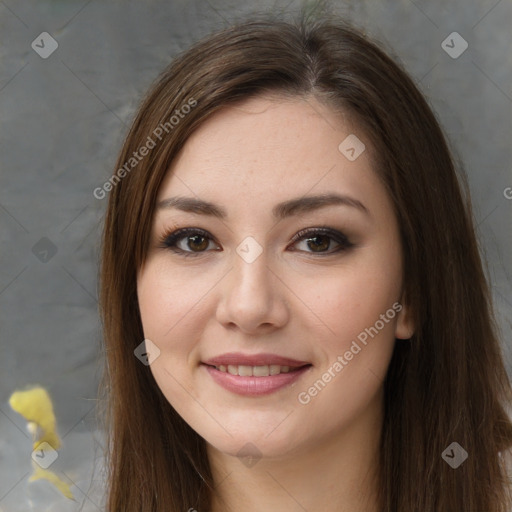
(447,384)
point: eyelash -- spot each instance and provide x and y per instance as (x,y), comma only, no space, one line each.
(169,239)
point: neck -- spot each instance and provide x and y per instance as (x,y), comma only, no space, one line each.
(339,472)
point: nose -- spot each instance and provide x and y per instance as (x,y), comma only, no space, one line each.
(253,297)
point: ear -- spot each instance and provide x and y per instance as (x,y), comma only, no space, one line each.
(404,328)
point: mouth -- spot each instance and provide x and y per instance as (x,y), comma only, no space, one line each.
(255,375)
(257,371)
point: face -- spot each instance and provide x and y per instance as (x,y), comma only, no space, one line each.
(275,316)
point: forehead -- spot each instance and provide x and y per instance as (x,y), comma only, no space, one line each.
(266,150)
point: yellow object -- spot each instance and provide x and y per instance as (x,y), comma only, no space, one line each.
(52,478)
(35,405)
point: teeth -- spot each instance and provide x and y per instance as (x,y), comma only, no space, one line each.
(275,369)
(245,371)
(260,371)
(233,369)
(256,371)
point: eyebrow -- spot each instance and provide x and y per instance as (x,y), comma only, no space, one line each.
(280,211)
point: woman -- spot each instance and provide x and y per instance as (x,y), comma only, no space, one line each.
(294,307)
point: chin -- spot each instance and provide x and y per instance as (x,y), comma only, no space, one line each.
(256,442)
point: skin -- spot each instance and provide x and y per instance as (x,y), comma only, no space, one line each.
(292,301)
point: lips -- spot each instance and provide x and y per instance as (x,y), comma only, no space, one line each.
(239,359)
(256,374)
(255,385)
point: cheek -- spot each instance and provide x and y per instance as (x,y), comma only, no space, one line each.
(173,311)
(356,353)
(166,303)
(356,304)
(169,302)
(353,300)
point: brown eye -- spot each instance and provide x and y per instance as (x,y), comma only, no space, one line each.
(318,243)
(319,240)
(195,244)
(187,242)
(195,241)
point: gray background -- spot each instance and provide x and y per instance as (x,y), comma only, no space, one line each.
(63,120)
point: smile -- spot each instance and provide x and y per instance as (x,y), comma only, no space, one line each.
(254,380)
(256,371)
